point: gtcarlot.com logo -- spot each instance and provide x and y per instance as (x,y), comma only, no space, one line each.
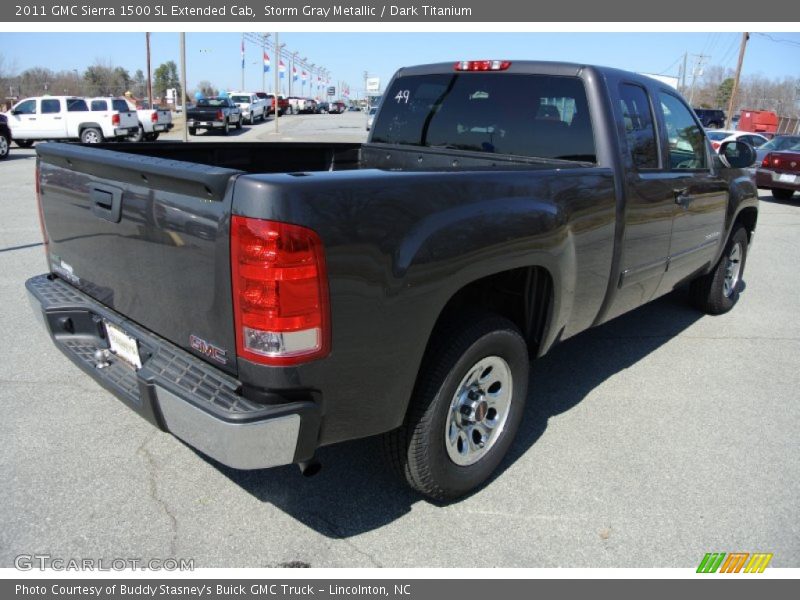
(44,562)
(734,562)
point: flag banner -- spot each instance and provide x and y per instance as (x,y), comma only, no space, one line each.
(282,68)
(266,62)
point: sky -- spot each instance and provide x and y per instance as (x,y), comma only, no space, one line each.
(216,57)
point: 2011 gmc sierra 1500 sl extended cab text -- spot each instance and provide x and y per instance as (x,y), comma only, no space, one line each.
(259,301)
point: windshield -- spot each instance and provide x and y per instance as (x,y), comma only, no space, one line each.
(241,99)
(717,136)
(783,143)
(526,115)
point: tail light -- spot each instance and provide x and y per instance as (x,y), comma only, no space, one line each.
(45,237)
(220,116)
(766,162)
(280,292)
(154,117)
(482,65)
(716,145)
(115,119)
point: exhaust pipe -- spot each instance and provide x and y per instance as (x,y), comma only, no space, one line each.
(309,468)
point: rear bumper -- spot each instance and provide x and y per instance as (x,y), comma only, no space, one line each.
(125,131)
(773,179)
(173,389)
(205,124)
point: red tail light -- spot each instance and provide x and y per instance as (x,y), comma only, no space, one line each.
(115,119)
(45,237)
(154,117)
(280,292)
(220,116)
(716,145)
(482,65)
(766,161)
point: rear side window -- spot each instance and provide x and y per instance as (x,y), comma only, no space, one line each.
(99,105)
(687,142)
(76,105)
(120,105)
(498,113)
(640,131)
(50,106)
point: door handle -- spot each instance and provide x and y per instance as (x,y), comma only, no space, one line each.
(56,118)
(106,202)
(682,197)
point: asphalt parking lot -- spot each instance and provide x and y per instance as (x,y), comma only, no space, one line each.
(647,442)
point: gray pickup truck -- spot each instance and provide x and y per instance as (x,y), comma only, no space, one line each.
(260,301)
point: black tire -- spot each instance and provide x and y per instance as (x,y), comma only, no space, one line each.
(239,122)
(192,131)
(226,128)
(91,135)
(782,194)
(5,146)
(708,293)
(24,143)
(418,449)
(139,136)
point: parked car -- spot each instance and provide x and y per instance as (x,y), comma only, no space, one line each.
(299,105)
(213,113)
(323,108)
(780,173)
(251,105)
(69,118)
(778,143)
(717,137)
(5,137)
(400,286)
(283,104)
(371,117)
(153,121)
(713,118)
(336,108)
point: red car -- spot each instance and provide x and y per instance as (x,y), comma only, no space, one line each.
(283,103)
(780,172)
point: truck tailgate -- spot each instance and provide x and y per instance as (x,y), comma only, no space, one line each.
(148,237)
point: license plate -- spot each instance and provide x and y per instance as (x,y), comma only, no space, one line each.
(159,127)
(123,345)
(786,178)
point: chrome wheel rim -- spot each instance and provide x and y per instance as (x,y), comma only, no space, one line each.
(3,146)
(478,411)
(733,270)
(91,137)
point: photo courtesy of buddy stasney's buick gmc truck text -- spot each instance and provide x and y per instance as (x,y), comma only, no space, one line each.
(261,300)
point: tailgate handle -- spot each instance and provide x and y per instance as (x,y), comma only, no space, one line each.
(106,202)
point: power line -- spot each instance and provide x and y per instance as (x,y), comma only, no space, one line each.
(777,40)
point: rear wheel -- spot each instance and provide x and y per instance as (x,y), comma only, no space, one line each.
(782,194)
(718,291)
(24,143)
(4,145)
(91,135)
(239,122)
(226,128)
(192,131)
(151,137)
(466,409)
(139,135)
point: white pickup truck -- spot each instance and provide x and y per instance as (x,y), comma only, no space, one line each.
(152,122)
(69,118)
(252,106)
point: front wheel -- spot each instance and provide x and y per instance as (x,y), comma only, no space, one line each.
(718,291)
(466,409)
(4,144)
(91,135)
(24,143)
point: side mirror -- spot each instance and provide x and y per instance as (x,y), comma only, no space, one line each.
(14,111)
(737,154)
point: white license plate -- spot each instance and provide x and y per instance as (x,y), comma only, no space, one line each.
(787,178)
(123,345)
(159,127)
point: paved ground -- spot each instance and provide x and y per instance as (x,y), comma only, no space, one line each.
(648,442)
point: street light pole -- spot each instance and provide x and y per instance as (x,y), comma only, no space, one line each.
(277,60)
(183,84)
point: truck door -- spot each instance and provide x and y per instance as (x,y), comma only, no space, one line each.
(649,202)
(22,120)
(700,195)
(52,123)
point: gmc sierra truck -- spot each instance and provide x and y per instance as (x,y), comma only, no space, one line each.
(261,300)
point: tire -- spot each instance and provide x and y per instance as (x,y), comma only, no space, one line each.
(252,120)
(718,291)
(432,449)
(192,131)
(5,144)
(226,128)
(239,122)
(139,136)
(714,125)
(91,135)
(152,137)
(782,194)
(24,143)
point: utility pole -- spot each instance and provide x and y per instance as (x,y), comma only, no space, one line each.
(683,73)
(729,116)
(696,70)
(242,86)
(276,58)
(149,71)
(183,84)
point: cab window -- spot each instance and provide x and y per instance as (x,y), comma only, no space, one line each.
(640,131)
(50,106)
(687,143)
(76,105)
(99,105)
